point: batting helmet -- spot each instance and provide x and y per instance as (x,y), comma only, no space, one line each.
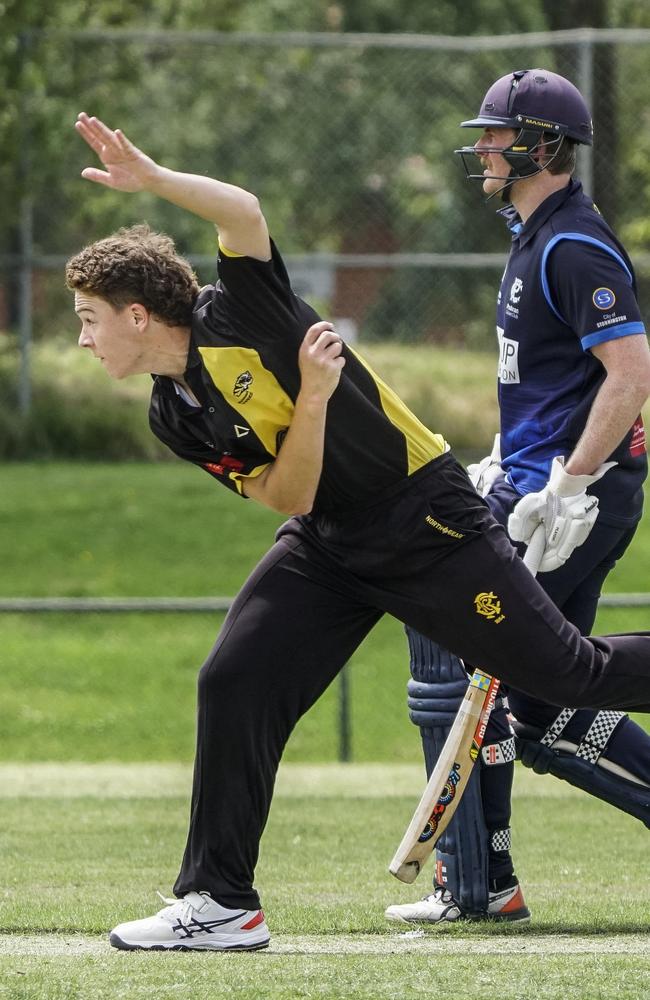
(543,107)
(536,99)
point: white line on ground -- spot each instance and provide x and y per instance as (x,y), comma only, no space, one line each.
(409,942)
(153,780)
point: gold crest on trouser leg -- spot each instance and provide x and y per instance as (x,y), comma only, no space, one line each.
(489,606)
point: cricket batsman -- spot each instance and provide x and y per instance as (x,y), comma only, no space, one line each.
(573,374)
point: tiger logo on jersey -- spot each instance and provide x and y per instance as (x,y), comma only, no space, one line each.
(241,389)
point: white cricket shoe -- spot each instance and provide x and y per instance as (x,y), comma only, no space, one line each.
(194,922)
(440,906)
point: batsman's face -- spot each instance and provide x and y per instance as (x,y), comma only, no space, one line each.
(489,149)
(113,336)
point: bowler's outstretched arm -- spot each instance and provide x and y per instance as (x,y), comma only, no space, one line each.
(236,213)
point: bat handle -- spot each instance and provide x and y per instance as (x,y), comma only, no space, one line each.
(535,550)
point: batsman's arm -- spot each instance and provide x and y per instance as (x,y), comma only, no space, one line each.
(565,504)
(618,402)
(235,212)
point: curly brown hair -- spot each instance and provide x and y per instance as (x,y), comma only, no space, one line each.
(137,265)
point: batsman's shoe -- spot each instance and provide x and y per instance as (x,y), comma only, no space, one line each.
(194,922)
(440,906)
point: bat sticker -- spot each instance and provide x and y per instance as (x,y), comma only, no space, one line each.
(446,796)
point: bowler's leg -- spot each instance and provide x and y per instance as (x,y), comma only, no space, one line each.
(555,661)
(284,640)
(482,603)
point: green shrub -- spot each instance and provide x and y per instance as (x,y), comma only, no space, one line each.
(76,411)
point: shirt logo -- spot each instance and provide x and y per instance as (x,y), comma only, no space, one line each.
(444,529)
(241,431)
(508,371)
(514,298)
(488,606)
(226,464)
(516,289)
(537,123)
(603,298)
(241,388)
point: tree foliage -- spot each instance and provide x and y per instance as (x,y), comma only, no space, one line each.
(336,140)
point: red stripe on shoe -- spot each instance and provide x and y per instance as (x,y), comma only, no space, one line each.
(516,903)
(255,922)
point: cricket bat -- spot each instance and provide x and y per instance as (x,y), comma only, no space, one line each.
(453,768)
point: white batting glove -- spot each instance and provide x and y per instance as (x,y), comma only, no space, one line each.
(484,473)
(565,509)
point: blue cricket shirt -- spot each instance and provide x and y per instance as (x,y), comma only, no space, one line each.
(568,285)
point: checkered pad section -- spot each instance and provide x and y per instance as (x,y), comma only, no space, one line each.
(500,840)
(557,727)
(498,753)
(598,735)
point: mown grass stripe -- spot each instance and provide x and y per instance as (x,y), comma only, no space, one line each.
(168,780)
(428,942)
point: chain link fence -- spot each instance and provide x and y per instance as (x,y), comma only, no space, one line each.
(346,139)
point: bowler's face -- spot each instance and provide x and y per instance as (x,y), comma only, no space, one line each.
(495,167)
(112,335)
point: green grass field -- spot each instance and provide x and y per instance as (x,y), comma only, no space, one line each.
(75,684)
(85,846)
(96,739)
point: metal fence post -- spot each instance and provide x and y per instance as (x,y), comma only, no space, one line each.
(345,725)
(25,306)
(586,87)
(25,298)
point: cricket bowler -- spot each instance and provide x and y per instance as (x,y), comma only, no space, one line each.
(250,385)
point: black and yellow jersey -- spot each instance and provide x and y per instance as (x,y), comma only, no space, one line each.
(243,369)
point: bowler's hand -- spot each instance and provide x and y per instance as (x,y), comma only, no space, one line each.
(127,167)
(320,360)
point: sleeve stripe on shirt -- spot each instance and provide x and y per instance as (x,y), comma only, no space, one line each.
(229,253)
(579,238)
(611,333)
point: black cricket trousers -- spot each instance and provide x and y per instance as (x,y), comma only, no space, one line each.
(430,553)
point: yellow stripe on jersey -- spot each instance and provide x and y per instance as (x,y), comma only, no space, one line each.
(422,445)
(240,480)
(252,390)
(229,253)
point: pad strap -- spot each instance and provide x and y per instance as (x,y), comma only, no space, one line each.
(557,727)
(501,840)
(595,739)
(598,776)
(598,735)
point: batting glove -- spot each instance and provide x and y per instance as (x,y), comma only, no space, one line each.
(483,474)
(564,508)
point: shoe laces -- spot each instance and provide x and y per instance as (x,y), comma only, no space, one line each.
(184,907)
(442,895)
